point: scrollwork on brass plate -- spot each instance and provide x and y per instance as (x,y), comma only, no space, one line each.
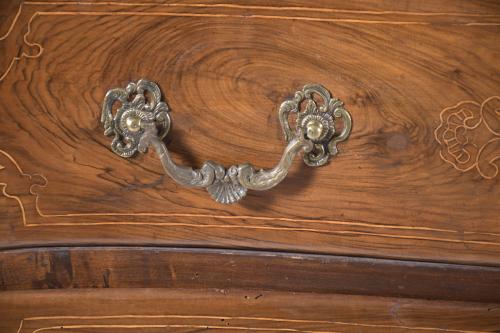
(129,123)
(143,120)
(317,122)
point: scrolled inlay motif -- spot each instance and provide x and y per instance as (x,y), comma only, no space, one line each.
(469,136)
(142,120)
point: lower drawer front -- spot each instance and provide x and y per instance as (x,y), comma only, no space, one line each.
(232,310)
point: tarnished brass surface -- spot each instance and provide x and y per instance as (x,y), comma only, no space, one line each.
(141,122)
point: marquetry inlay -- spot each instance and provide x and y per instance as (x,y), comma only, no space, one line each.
(469,135)
(24,188)
(116,8)
(158,323)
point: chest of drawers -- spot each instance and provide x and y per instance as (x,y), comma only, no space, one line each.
(401,223)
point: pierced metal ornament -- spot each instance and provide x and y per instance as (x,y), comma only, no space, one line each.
(316,121)
(143,120)
(129,122)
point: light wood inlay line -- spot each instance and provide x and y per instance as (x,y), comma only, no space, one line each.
(249,16)
(14,21)
(26,41)
(275,8)
(204,327)
(257,319)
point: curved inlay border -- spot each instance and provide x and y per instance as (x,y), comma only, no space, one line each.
(29,206)
(344,16)
(463,150)
(81,324)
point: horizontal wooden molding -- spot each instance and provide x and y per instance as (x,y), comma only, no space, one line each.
(155,267)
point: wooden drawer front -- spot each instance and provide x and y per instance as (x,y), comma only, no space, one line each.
(416,179)
(231,311)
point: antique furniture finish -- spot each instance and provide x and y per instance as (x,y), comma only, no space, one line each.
(388,223)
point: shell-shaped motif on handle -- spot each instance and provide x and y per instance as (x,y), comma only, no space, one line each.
(226,188)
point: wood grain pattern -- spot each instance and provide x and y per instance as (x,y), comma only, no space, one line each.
(158,310)
(139,267)
(224,69)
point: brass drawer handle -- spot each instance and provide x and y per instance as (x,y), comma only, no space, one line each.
(143,120)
